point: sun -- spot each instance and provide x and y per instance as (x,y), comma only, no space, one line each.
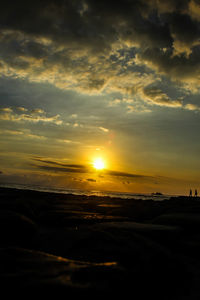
(98,163)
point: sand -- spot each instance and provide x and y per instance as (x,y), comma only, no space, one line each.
(99,246)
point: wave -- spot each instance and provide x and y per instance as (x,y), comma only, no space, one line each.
(123,195)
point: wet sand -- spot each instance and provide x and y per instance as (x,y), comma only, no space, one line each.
(89,246)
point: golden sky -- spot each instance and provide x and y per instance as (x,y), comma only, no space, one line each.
(116,81)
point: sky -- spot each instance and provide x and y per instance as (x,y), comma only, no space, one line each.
(116,80)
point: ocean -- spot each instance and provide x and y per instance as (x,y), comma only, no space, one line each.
(154,196)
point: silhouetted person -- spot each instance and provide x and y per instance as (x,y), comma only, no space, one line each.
(195,193)
(190,193)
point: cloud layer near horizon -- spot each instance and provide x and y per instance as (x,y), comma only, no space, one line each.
(51,165)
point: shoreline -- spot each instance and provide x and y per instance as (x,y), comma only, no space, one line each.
(124,195)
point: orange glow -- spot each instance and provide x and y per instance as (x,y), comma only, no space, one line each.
(99,163)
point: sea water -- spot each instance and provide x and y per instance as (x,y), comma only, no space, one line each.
(155,197)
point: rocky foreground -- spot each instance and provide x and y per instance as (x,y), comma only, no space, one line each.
(90,246)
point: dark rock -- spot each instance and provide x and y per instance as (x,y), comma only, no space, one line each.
(33,271)
(64,217)
(187,221)
(157,257)
(162,234)
(15,228)
(142,228)
(146,261)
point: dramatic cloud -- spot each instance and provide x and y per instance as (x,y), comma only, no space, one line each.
(157,97)
(34,116)
(180,67)
(120,79)
(86,45)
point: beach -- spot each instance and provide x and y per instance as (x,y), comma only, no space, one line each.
(90,245)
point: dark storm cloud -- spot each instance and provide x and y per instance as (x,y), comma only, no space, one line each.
(184,28)
(171,5)
(89,21)
(61,21)
(177,67)
(81,40)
